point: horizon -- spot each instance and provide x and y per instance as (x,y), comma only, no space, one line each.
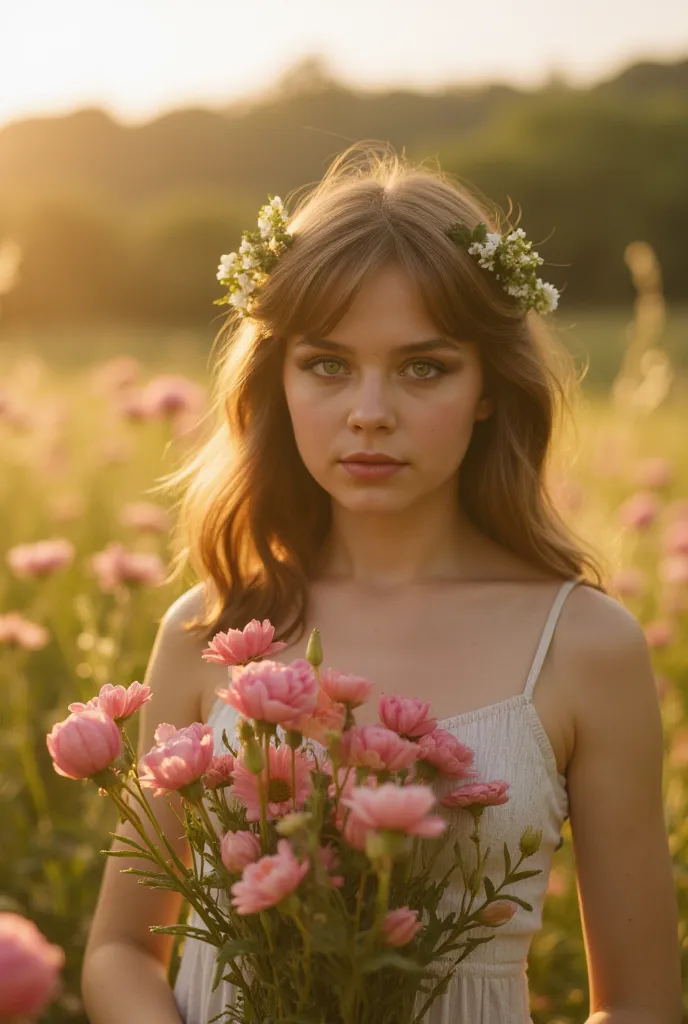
(146,59)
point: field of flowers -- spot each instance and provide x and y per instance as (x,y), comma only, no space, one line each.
(84,550)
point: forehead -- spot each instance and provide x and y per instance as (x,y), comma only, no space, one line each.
(387,313)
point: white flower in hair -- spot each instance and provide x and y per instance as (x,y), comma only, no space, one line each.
(512,261)
(246,271)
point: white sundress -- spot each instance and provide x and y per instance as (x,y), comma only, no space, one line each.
(510,742)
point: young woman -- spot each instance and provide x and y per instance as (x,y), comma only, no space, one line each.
(386,403)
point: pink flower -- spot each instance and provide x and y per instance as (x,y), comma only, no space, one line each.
(41,558)
(14,629)
(408,716)
(84,744)
(484,794)
(266,883)
(180,757)
(659,633)
(245,787)
(396,808)
(497,913)
(145,515)
(676,538)
(268,691)
(221,771)
(654,472)
(239,646)
(171,394)
(629,582)
(674,570)
(114,566)
(347,689)
(238,849)
(446,753)
(116,374)
(29,968)
(400,926)
(327,716)
(378,748)
(116,701)
(640,510)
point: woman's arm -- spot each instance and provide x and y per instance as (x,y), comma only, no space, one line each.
(624,870)
(124,976)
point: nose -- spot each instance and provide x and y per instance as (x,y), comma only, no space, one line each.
(371,408)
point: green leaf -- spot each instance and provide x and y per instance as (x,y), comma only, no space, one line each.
(127,853)
(182,929)
(507,859)
(489,888)
(521,903)
(524,874)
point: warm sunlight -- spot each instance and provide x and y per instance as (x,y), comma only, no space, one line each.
(137,58)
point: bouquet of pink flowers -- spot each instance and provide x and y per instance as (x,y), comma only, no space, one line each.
(314,843)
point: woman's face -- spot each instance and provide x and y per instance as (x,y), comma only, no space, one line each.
(383,381)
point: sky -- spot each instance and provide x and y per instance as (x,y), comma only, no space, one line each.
(137,58)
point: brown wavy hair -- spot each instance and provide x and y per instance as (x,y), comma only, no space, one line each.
(252,520)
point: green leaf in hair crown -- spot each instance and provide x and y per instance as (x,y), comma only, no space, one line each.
(511,259)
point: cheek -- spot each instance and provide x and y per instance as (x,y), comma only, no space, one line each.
(311,417)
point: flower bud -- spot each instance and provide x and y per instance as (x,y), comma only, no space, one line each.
(530,841)
(253,756)
(294,822)
(245,730)
(314,651)
(293,738)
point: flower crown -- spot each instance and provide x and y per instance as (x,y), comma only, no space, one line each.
(509,257)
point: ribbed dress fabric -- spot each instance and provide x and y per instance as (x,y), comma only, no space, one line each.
(510,742)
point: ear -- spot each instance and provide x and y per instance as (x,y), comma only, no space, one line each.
(485,408)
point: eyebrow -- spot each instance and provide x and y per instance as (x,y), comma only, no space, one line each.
(429,344)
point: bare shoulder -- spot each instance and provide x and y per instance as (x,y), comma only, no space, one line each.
(604,660)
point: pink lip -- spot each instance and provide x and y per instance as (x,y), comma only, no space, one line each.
(372,470)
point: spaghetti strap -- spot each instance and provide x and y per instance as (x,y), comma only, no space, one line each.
(547,633)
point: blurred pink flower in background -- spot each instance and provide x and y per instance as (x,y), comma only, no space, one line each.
(239,646)
(15,629)
(677,511)
(84,744)
(408,716)
(640,510)
(131,405)
(41,557)
(675,539)
(29,968)
(674,570)
(145,515)
(116,701)
(628,582)
(400,926)
(115,566)
(266,883)
(116,375)
(238,849)
(171,395)
(654,472)
(179,758)
(331,861)
(659,633)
